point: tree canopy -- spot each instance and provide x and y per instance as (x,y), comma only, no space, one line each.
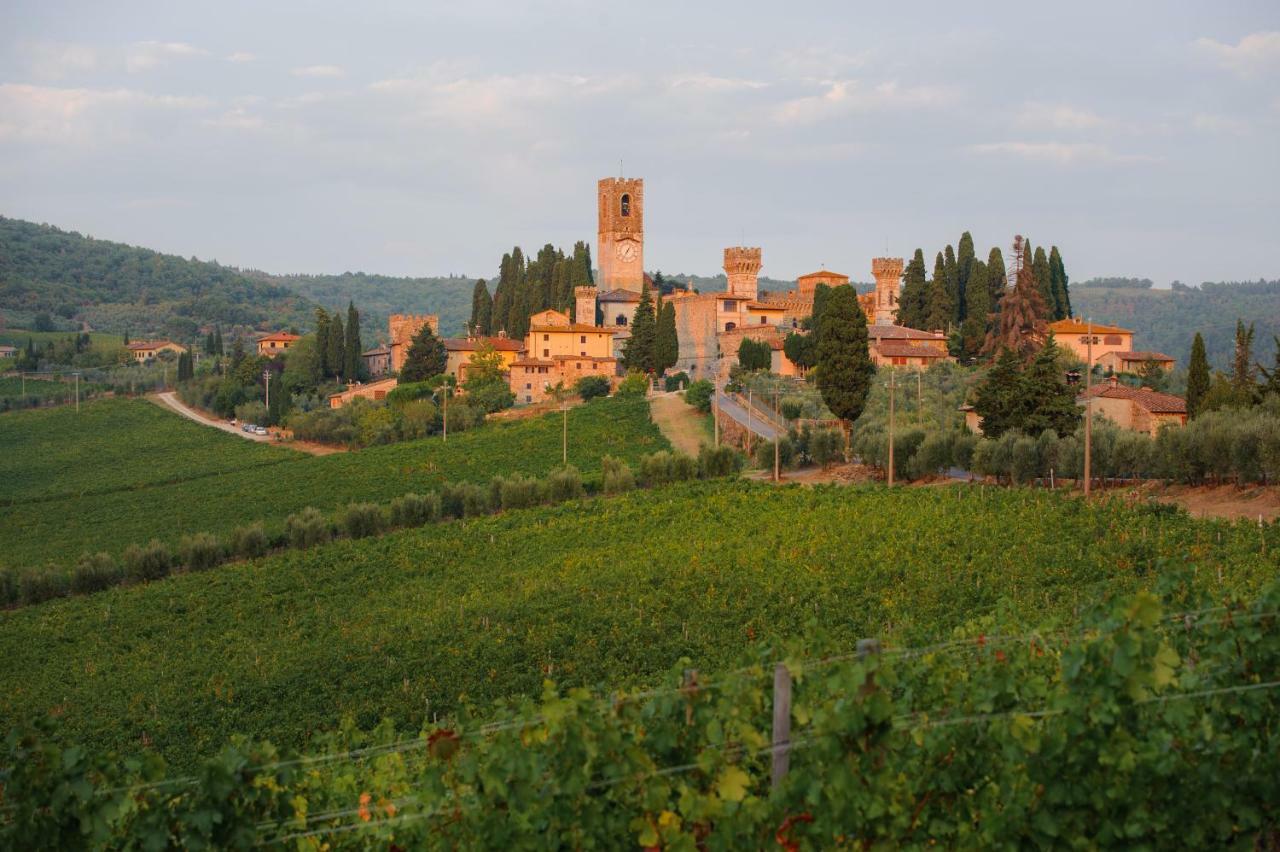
(844,363)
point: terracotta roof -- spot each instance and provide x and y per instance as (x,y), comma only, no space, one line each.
(149,344)
(351,390)
(1153,401)
(377,350)
(823,273)
(1075,326)
(1140,356)
(583,358)
(899,349)
(898,332)
(765,306)
(282,336)
(532,362)
(618,296)
(470,344)
(574,327)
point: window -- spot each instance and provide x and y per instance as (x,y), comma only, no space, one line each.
(546,353)
(528,385)
(764,320)
(626,204)
(899,362)
(621,320)
(583,354)
(1112,340)
(730,305)
(730,326)
(528,397)
(582,339)
(545,338)
(578,365)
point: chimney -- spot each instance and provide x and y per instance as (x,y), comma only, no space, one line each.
(1113,381)
(502,333)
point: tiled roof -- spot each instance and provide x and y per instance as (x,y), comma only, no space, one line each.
(618,296)
(583,358)
(281,336)
(377,350)
(1153,401)
(900,349)
(470,344)
(1141,356)
(149,344)
(823,273)
(574,328)
(898,332)
(1075,326)
(532,362)
(765,306)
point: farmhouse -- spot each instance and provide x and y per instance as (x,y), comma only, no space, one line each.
(458,351)
(558,352)
(1137,409)
(8,351)
(1134,362)
(1074,335)
(372,390)
(377,360)
(146,350)
(272,345)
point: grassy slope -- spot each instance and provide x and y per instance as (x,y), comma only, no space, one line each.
(99,340)
(114,445)
(606,591)
(62,529)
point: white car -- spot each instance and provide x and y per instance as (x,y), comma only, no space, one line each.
(259,430)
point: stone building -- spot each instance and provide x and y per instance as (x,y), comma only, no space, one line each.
(558,352)
(620,234)
(1138,409)
(1074,335)
(458,352)
(899,346)
(401,328)
(271,345)
(373,391)
(377,360)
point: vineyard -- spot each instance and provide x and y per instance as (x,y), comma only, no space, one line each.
(218,482)
(422,623)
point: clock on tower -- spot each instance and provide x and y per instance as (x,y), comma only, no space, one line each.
(620,238)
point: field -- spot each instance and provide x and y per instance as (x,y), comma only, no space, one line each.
(19,337)
(172,492)
(43,389)
(610,591)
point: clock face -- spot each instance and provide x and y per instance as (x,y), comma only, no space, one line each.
(626,251)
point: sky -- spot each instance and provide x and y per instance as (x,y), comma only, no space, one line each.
(421,138)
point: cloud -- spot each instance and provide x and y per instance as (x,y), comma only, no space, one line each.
(1057,117)
(819,62)
(240,56)
(1213,123)
(1061,153)
(55,115)
(56,60)
(147,55)
(1254,54)
(847,97)
(236,119)
(319,71)
(701,82)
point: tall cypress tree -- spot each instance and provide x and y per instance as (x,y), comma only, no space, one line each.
(997,279)
(1044,280)
(322,341)
(912,301)
(519,309)
(939,310)
(965,257)
(843,356)
(667,344)
(352,345)
(1058,282)
(209,343)
(1243,371)
(638,352)
(335,346)
(481,309)
(973,331)
(501,297)
(1197,376)
(953,287)
(998,398)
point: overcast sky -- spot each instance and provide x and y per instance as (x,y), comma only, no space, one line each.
(418,138)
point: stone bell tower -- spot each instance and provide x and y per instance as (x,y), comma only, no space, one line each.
(742,266)
(620,238)
(584,308)
(888,274)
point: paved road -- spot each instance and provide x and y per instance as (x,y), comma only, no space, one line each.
(738,413)
(170,399)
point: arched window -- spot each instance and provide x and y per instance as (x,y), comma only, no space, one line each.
(730,326)
(626,204)
(621,320)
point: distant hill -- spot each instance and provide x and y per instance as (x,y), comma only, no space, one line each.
(1167,320)
(378,296)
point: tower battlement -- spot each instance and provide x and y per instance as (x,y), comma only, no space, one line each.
(584,300)
(742,266)
(888,275)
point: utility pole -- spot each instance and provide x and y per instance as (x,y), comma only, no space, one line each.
(892,386)
(266,380)
(715,409)
(564,454)
(777,438)
(920,396)
(444,420)
(1088,410)
(77,393)
(748,422)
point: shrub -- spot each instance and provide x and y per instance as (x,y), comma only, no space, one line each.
(95,572)
(360,520)
(40,585)
(826,446)
(590,387)
(464,499)
(786,453)
(564,485)
(678,381)
(307,528)
(617,476)
(401,394)
(698,394)
(718,461)
(635,384)
(933,456)
(655,468)
(491,394)
(683,467)
(249,542)
(199,552)
(1024,460)
(8,586)
(251,412)
(962,450)
(905,445)
(152,562)
(414,510)
(517,492)
(791,408)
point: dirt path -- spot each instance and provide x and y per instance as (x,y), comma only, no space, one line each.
(679,422)
(169,400)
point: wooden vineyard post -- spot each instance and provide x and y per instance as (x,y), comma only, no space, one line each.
(781,723)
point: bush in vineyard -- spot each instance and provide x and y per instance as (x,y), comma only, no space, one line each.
(307,528)
(360,520)
(415,510)
(149,562)
(200,552)
(248,542)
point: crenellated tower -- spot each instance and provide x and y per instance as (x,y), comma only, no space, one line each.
(620,237)
(888,275)
(584,309)
(742,266)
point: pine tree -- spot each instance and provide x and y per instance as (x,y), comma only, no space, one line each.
(1048,401)
(1059,284)
(843,358)
(352,345)
(997,279)
(322,341)
(912,301)
(425,359)
(939,310)
(335,348)
(1021,324)
(953,288)
(481,309)
(638,351)
(667,344)
(998,399)
(1197,376)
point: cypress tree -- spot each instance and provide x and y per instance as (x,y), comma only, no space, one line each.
(209,343)
(997,279)
(1272,384)
(667,344)
(425,359)
(1243,375)
(964,265)
(280,401)
(912,302)
(821,294)
(1038,264)
(481,309)
(352,345)
(1197,376)
(843,357)
(126,337)
(973,331)
(1058,283)
(322,341)
(335,346)
(638,352)
(518,309)
(1021,321)
(939,310)
(953,287)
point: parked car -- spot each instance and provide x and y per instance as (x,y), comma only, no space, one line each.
(259,430)
(247,427)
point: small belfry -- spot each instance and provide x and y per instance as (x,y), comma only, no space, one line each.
(620,238)
(888,275)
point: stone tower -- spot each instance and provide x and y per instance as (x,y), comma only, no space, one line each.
(888,273)
(742,265)
(620,242)
(584,309)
